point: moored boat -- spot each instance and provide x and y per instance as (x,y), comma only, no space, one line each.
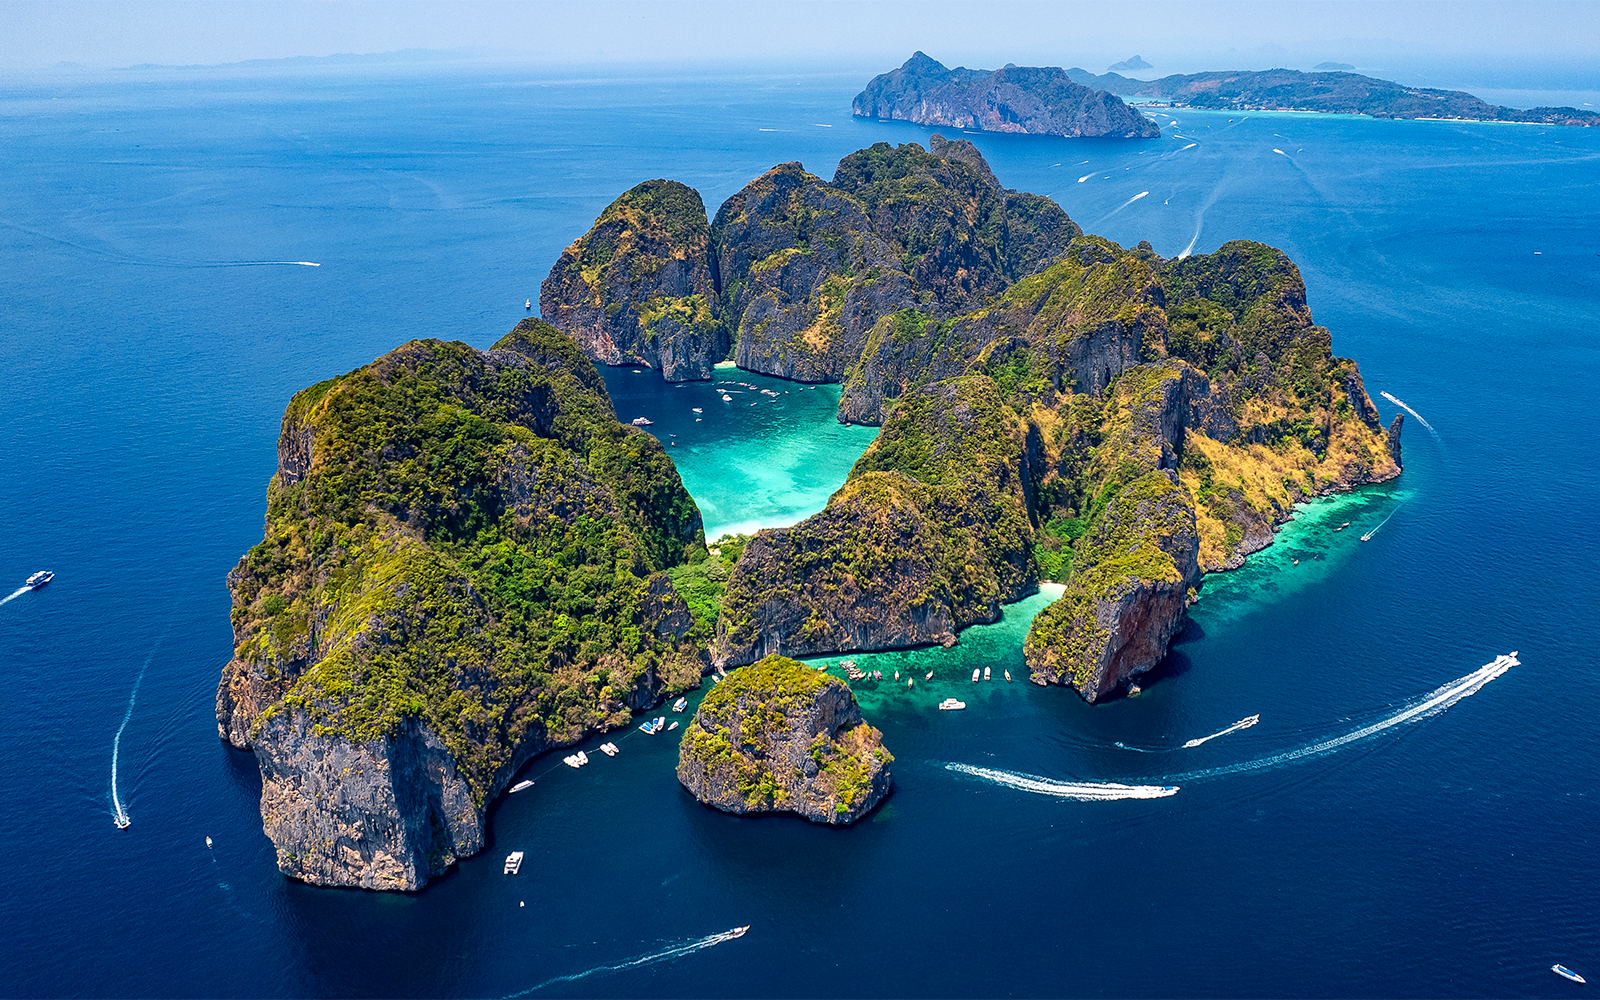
(951,705)
(976,673)
(513,862)
(986,674)
(1008,675)
(680,704)
(672,725)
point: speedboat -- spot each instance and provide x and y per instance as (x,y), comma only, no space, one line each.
(738,931)
(698,410)
(122,822)
(571,760)
(976,673)
(527,304)
(519,786)
(583,758)
(929,677)
(986,674)
(40,578)
(673,725)
(208,843)
(727,398)
(680,704)
(642,421)
(609,749)
(1562,970)
(951,705)
(1008,675)
(661,721)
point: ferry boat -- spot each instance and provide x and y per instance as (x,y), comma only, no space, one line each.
(519,786)
(513,862)
(40,578)
(1562,970)
(680,704)
(951,705)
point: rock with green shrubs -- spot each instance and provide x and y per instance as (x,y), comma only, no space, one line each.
(465,563)
(778,736)
(639,288)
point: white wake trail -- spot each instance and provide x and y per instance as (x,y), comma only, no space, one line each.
(1244,723)
(1368,536)
(666,954)
(15,594)
(1431,704)
(1414,413)
(1080,791)
(122,819)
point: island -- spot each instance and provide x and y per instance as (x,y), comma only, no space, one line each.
(1336,91)
(463,566)
(468,560)
(779,736)
(1030,99)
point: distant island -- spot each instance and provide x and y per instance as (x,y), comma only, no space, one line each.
(1030,99)
(1131,63)
(1328,67)
(1332,92)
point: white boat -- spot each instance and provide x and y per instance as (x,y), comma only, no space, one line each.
(986,674)
(1562,970)
(39,579)
(122,822)
(672,725)
(527,304)
(976,673)
(951,705)
(698,410)
(910,681)
(1008,675)
(571,760)
(519,786)
(929,677)
(727,398)
(680,704)
(738,932)
(609,749)
(642,421)
(661,721)
(583,758)
(513,862)
(208,843)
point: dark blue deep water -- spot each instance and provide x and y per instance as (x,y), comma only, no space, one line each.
(145,360)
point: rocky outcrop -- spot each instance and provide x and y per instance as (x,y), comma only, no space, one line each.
(778,736)
(1127,599)
(463,566)
(1029,99)
(639,288)
(1392,437)
(929,535)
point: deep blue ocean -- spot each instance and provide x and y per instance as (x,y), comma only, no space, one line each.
(147,353)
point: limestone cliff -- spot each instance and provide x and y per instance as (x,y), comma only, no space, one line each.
(639,288)
(462,567)
(1029,99)
(778,736)
(929,535)
(1127,595)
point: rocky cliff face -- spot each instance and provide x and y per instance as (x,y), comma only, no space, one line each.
(463,567)
(1127,595)
(929,535)
(639,288)
(780,737)
(1029,99)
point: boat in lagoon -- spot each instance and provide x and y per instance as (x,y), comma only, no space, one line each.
(661,722)
(519,786)
(986,674)
(976,673)
(513,862)
(609,749)
(1008,675)
(680,704)
(672,725)
(951,705)
(1562,970)
(929,677)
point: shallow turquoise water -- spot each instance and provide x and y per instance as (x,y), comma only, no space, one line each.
(144,366)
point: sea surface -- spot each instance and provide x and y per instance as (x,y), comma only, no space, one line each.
(1379,832)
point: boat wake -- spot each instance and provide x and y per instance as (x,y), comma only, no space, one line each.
(1431,704)
(1244,723)
(120,812)
(1080,791)
(666,954)
(1368,536)
(15,594)
(1414,413)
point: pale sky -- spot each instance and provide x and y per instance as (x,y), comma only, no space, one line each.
(1403,40)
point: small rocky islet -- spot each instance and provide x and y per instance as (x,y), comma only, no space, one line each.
(468,560)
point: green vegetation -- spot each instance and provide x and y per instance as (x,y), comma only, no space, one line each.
(474,543)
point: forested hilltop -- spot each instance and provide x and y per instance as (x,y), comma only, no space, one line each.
(1054,405)
(1337,93)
